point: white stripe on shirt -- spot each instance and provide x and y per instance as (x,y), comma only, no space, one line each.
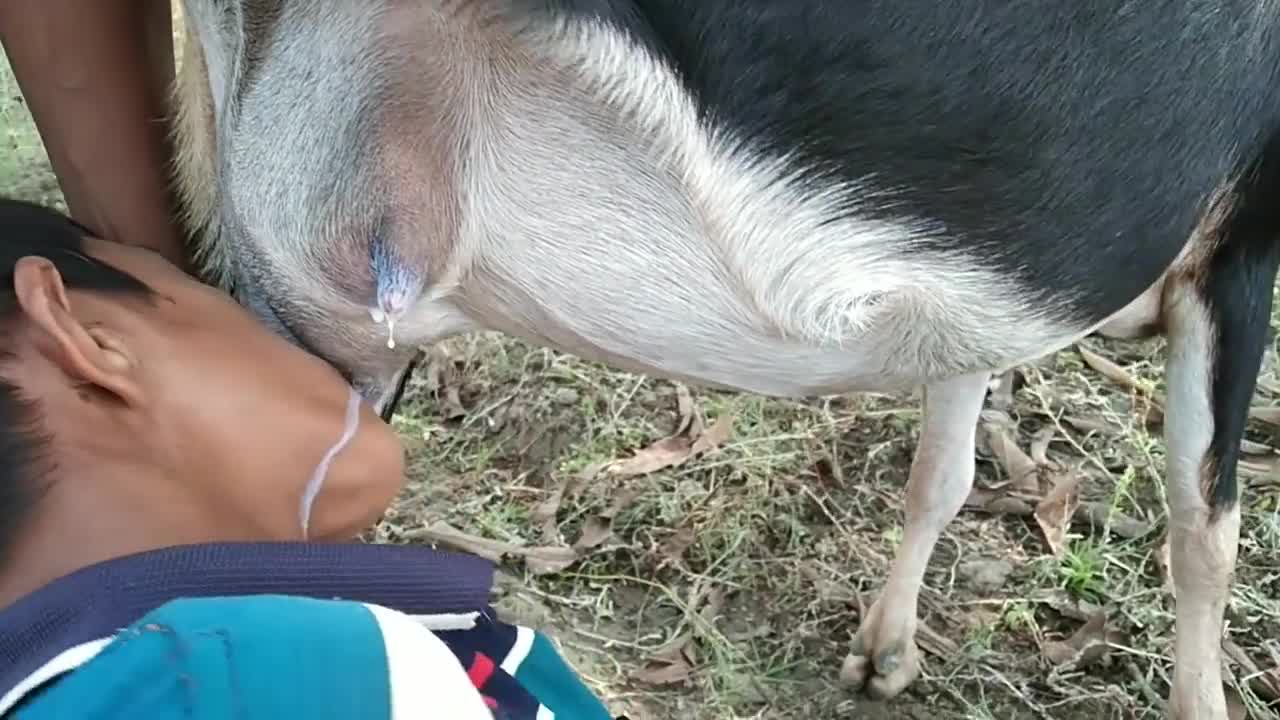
(425,677)
(519,651)
(63,662)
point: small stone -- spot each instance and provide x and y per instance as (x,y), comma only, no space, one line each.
(986,575)
(565,396)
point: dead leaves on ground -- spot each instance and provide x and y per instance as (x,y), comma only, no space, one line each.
(1034,485)
(1261,464)
(1059,502)
(677,660)
(1153,406)
(692,439)
(1056,509)
(599,527)
(672,665)
(1087,646)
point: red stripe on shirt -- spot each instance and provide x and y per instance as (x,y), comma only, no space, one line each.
(481,670)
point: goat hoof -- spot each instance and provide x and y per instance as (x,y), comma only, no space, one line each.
(884,668)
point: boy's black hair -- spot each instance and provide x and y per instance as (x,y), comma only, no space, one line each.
(29,230)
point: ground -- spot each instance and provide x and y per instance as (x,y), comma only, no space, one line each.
(706,554)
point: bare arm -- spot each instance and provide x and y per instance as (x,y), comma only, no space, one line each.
(96,75)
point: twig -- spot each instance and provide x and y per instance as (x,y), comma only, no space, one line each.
(1144,687)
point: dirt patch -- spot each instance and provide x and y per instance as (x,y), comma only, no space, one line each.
(727,583)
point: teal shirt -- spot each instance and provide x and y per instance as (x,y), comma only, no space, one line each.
(273,657)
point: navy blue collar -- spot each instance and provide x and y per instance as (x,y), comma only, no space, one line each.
(99,600)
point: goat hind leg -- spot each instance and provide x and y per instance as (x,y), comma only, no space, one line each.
(1217,330)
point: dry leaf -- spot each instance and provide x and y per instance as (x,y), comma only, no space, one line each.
(622,501)
(541,560)
(665,453)
(664,674)
(979,498)
(1019,466)
(672,451)
(671,665)
(1070,606)
(594,532)
(1040,445)
(544,515)
(598,528)
(1152,414)
(1054,512)
(715,436)
(1087,646)
(546,510)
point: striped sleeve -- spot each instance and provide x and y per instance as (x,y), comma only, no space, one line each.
(425,677)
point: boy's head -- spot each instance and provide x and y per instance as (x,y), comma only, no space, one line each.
(140,408)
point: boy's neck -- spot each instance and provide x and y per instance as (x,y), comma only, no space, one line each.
(87,517)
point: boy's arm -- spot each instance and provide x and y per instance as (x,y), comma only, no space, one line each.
(96,75)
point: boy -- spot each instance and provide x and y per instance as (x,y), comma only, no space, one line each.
(163,459)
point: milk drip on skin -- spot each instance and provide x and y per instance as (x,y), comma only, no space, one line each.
(383,318)
(318,476)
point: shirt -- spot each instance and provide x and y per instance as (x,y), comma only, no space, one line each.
(271,630)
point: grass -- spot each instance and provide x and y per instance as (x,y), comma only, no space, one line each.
(728,586)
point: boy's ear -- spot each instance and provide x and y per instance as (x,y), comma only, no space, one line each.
(93,355)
